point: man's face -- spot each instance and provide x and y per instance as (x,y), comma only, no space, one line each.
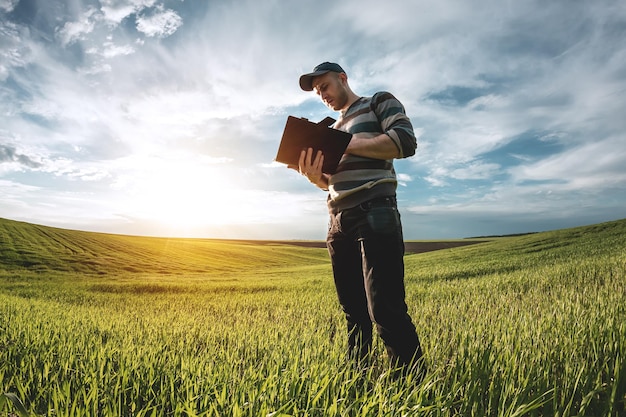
(331,89)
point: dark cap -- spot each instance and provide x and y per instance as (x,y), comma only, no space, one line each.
(306,81)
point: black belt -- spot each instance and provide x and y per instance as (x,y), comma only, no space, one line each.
(389,201)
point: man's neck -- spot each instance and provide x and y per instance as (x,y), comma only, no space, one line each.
(351,99)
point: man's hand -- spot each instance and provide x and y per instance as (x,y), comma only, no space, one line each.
(312,168)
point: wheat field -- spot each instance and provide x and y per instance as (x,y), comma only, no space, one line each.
(106,325)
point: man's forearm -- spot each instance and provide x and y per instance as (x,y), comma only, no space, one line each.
(378,147)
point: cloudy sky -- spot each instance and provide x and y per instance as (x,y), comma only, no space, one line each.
(162,117)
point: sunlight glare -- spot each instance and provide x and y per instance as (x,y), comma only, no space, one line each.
(187,196)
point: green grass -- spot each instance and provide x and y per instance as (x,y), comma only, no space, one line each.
(33,248)
(94,324)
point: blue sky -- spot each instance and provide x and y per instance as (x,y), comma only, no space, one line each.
(157,117)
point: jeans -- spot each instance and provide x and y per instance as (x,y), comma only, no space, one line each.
(366,248)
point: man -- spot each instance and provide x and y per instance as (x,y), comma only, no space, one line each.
(365,239)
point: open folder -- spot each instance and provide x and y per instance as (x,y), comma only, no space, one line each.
(301,134)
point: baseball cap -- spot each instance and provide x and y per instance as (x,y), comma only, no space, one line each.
(306,80)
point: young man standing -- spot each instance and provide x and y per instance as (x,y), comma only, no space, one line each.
(365,239)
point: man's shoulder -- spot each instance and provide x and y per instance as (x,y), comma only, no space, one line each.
(382,96)
(383,101)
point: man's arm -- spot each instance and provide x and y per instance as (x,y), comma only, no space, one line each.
(379,147)
(394,123)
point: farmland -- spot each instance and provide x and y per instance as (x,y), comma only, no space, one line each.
(103,325)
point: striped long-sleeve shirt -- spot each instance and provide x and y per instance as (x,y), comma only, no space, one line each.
(359,179)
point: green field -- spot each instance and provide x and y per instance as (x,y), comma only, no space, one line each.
(106,325)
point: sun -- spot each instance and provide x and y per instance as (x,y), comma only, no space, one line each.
(191,196)
(179,203)
(184,196)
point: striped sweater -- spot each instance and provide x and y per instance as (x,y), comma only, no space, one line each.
(359,179)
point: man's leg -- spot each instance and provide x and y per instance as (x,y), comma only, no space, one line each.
(382,248)
(345,257)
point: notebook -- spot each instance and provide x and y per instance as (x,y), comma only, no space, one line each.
(301,134)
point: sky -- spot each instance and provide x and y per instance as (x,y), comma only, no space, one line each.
(163,117)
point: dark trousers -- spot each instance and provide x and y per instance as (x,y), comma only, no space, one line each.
(366,248)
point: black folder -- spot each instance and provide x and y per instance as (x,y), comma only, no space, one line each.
(301,134)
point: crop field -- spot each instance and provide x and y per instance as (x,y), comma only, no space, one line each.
(107,325)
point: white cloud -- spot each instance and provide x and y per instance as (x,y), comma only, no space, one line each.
(7,6)
(403,179)
(13,51)
(592,166)
(161,23)
(475,171)
(111,50)
(96,69)
(115,11)
(73,31)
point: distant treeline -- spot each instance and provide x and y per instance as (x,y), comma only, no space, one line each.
(495,236)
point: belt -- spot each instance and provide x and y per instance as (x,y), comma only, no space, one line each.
(389,201)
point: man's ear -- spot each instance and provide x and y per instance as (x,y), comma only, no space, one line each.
(343,77)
